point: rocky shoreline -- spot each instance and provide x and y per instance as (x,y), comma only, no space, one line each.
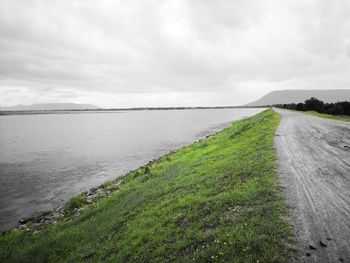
(71,210)
(86,198)
(64,212)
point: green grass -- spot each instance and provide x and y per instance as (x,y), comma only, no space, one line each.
(74,202)
(328,116)
(216,200)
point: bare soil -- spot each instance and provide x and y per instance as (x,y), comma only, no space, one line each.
(314,164)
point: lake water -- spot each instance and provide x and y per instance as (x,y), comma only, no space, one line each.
(45,159)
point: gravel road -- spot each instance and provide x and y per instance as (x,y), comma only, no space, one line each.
(314,165)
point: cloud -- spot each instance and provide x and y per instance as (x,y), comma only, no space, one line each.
(158,53)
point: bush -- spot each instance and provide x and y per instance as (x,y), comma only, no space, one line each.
(337,109)
(74,202)
(346,107)
(313,104)
(300,106)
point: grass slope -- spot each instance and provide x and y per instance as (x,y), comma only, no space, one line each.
(327,116)
(216,200)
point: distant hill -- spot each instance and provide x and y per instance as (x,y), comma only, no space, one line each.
(50,106)
(296,96)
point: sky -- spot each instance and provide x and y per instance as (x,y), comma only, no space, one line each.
(131,53)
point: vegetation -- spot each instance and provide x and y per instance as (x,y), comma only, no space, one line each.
(216,200)
(73,203)
(313,104)
(327,116)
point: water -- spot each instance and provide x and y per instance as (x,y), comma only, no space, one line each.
(46,159)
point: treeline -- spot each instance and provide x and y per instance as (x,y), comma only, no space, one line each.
(313,104)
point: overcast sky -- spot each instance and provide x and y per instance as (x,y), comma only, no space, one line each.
(170,52)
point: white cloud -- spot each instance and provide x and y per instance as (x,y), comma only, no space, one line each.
(159,53)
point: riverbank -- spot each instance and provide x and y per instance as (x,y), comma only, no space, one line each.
(47,159)
(217,199)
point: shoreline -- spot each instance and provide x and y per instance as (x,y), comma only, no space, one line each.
(33,186)
(217,198)
(68,111)
(42,219)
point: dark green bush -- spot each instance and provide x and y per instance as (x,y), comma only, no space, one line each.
(313,104)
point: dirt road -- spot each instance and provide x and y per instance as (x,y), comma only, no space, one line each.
(314,165)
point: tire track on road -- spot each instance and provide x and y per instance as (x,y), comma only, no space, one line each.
(314,166)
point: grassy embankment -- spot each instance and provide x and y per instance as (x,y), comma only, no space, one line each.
(216,200)
(327,116)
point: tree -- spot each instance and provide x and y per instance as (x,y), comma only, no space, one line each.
(337,109)
(314,104)
(346,107)
(300,106)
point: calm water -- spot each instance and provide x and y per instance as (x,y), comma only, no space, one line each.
(45,159)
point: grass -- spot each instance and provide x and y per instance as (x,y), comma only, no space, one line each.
(324,115)
(73,203)
(216,200)
(328,116)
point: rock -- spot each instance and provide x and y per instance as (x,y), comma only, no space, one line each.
(22,221)
(323,244)
(22,227)
(100,192)
(308,254)
(55,216)
(89,199)
(36,225)
(328,238)
(58,209)
(341,259)
(312,247)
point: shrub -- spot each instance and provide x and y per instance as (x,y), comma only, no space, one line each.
(74,202)
(313,104)
(337,109)
(300,106)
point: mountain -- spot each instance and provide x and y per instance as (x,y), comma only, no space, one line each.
(50,106)
(296,96)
